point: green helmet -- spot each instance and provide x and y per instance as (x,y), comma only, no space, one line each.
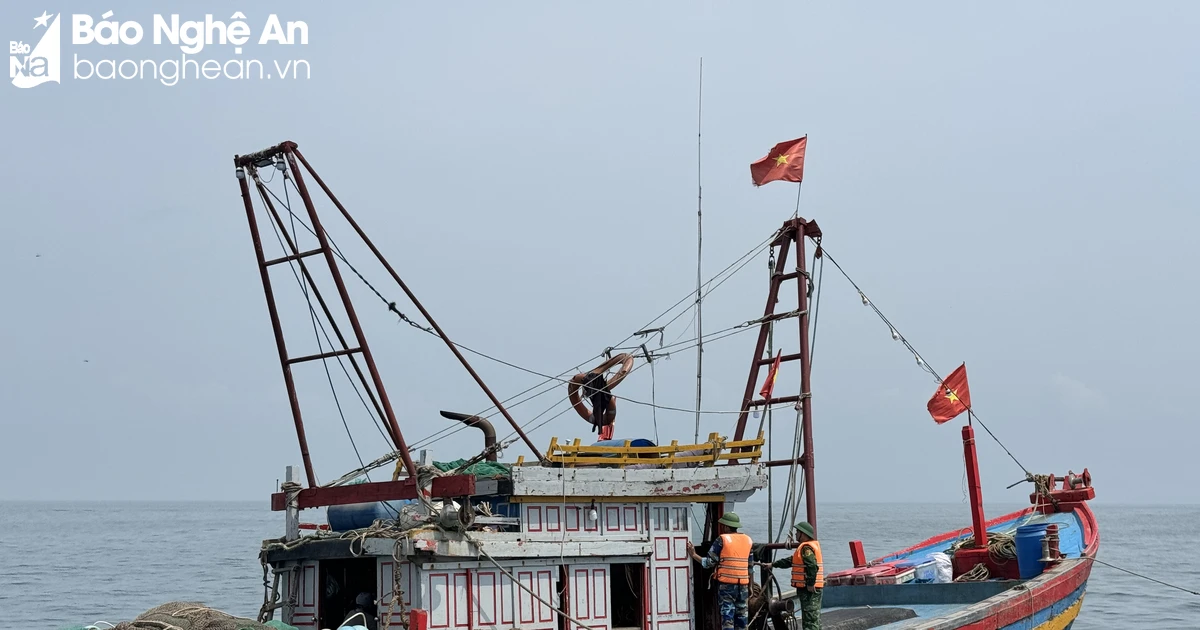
(806,529)
(731,519)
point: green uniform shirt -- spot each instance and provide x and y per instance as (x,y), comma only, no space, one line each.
(810,565)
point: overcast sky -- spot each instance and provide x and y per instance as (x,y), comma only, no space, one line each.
(1014,186)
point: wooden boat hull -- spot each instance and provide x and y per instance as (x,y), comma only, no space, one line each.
(1050,601)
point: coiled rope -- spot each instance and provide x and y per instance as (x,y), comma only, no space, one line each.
(1002,546)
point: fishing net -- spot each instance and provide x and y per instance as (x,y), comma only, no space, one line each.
(482,470)
(194,616)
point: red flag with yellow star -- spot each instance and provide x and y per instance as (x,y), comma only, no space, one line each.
(784,163)
(772,374)
(952,397)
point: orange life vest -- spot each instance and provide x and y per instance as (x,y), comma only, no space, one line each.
(798,580)
(734,566)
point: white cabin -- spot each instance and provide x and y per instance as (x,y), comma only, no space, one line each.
(607,546)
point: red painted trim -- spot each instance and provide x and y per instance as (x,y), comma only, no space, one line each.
(631,526)
(578,513)
(582,594)
(308,578)
(523,594)
(529,519)
(450,486)
(687,591)
(470,608)
(507,590)
(681,549)
(951,535)
(565,603)
(557,519)
(1024,604)
(1091,532)
(546,596)
(669,543)
(598,596)
(670,598)
(612,519)
(449,590)
(647,620)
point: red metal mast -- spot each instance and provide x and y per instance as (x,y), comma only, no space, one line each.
(791,234)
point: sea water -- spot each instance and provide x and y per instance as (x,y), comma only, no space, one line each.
(73,563)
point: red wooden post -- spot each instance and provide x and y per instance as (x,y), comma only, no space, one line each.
(977,519)
(418,619)
(857,555)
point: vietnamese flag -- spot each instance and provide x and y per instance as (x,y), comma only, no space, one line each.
(772,374)
(784,163)
(952,397)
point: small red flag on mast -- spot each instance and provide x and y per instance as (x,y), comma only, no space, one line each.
(952,397)
(784,163)
(769,384)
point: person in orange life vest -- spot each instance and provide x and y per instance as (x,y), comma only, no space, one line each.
(808,574)
(731,555)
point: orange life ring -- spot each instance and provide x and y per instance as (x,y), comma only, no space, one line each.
(577,381)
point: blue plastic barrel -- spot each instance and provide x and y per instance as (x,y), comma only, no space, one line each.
(344,518)
(1029,550)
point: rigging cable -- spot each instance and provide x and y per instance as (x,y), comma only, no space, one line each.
(716,336)
(739,264)
(354,384)
(1144,577)
(920,360)
(318,327)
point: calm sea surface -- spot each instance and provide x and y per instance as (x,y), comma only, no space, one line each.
(63,564)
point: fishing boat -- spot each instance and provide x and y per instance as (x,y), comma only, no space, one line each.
(594,532)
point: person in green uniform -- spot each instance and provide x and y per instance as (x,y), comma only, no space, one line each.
(808,574)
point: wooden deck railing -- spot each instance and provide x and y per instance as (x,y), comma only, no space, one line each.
(716,450)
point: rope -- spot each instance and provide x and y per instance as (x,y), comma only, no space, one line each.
(1113,566)
(917,355)
(1002,546)
(977,574)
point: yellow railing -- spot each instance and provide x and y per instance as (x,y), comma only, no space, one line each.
(717,449)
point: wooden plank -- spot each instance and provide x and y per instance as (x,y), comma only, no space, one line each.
(334,548)
(711,498)
(640,483)
(511,545)
(659,461)
(648,450)
(450,486)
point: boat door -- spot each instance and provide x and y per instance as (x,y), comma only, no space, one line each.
(590,599)
(305,579)
(670,568)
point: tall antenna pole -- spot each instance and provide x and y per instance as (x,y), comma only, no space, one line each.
(699,244)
